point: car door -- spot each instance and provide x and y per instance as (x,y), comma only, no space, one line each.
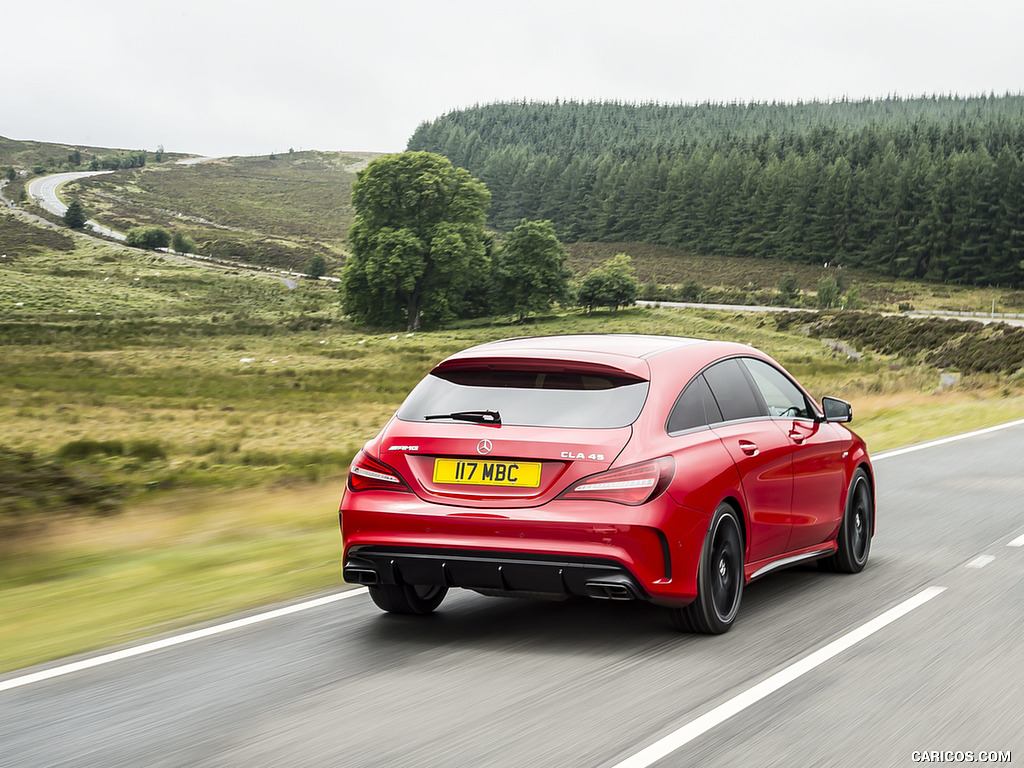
(761,453)
(817,455)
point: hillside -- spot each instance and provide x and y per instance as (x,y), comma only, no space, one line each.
(275,211)
(47,157)
(920,188)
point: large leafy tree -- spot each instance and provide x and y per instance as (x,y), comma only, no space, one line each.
(529,270)
(418,242)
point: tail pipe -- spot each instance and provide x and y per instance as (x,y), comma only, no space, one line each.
(610,588)
(355,574)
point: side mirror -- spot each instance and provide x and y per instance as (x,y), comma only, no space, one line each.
(836,409)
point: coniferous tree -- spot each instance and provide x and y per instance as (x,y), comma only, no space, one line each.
(75,216)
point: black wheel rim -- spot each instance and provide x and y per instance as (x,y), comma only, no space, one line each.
(860,528)
(726,568)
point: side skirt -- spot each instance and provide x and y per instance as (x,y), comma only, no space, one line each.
(785,562)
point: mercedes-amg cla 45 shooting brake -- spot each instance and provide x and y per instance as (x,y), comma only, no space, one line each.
(619,467)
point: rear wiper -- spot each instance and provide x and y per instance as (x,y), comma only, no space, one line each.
(477,417)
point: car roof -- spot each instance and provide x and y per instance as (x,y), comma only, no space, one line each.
(628,353)
(625,344)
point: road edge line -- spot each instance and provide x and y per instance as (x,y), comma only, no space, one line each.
(168,642)
(945,440)
(687,733)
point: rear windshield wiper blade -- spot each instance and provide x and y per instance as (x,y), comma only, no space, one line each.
(477,417)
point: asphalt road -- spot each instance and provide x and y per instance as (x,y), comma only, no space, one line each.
(492,682)
(44,191)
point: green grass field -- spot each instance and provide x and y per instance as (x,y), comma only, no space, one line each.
(224,408)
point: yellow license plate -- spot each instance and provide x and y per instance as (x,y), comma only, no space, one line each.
(519,474)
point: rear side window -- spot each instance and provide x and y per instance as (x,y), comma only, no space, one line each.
(696,407)
(733,392)
(529,398)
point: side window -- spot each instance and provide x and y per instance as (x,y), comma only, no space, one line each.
(731,388)
(694,408)
(783,398)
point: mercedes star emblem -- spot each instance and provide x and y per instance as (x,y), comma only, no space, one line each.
(484,447)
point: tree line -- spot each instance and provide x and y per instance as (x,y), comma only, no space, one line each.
(929,188)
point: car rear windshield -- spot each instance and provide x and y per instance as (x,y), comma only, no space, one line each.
(529,398)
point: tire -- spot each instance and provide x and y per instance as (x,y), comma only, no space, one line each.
(407,599)
(854,539)
(719,578)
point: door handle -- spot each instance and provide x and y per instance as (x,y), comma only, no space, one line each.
(797,437)
(748,448)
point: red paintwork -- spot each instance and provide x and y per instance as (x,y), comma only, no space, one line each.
(791,495)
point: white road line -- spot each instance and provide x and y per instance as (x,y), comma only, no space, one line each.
(980,561)
(747,698)
(167,642)
(944,440)
(1018,542)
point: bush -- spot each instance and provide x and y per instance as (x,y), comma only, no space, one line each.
(182,243)
(653,292)
(828,292)
(789,288)
(147,450)
(32,491)
(690,291)
(83,449)
(148,237)
(317,267)
(613,285)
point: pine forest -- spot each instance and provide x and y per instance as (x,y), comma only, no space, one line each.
(929,188)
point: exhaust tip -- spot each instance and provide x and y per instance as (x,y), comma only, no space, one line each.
(610,590)
(364,576)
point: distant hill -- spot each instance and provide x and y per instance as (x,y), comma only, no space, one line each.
(920,188)
(276,210)
(53,158)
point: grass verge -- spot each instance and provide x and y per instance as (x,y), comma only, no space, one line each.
(163,564)
(179,558)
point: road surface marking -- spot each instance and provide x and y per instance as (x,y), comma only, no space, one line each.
(747,698)
(1018,542)
(944,440)
(980,561)
(167,642)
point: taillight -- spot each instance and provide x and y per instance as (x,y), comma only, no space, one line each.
(368,474)
(633,485)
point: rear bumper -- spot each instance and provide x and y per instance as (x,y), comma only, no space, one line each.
(596,549)
(498,571)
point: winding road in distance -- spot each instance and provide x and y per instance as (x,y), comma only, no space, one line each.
(920,652)
(44,191)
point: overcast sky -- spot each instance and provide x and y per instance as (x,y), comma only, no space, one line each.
(221,78)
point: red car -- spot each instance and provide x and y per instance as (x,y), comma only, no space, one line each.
(612,466)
